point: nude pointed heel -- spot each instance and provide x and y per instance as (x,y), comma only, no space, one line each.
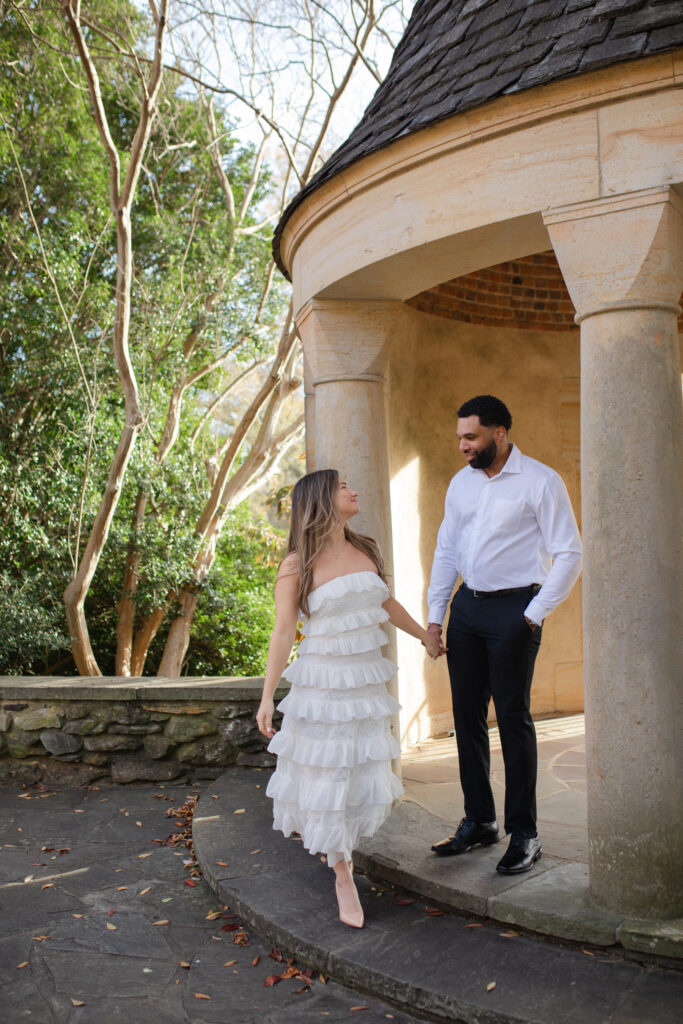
(352,912)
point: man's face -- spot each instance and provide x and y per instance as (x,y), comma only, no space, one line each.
(477,443)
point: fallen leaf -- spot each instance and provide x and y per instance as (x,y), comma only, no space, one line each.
(275,954)
(254,851)
(110,912)
(201,995)
(490,987)
(221,863)
(139,824)
(322,978)
(508,935)
(434,911)
(301,991)
(67,849)
(403,902)
(24,964)
(477,924)
(121,888)
(271,980)
(214,796)
(291,972)
(141,856)
(234,927)
(47,849)
(29,878)
(157,923)
(48,885)
(147,970)
(213,914)
(79,810)
(229,963)
(40,938)
(143,892)
(255,961)
(77,916)
(184,963)
(352,1008)
(240,939)
(111,927)
(587,952)
(77,1002)
(192,885)
(240,811)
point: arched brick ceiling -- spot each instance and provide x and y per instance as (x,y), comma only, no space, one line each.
(458,54)
(527,294)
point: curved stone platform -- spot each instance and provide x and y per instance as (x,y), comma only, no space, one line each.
(440,966)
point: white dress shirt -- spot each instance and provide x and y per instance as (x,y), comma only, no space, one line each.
(509,530)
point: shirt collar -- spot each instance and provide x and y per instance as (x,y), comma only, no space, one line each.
(512,465)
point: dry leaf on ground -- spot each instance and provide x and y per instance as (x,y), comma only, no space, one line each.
(255,961)
(77,1002)
(157,923)
(111,927)
(201,995)
(271,980)
(490,987)
(229,963)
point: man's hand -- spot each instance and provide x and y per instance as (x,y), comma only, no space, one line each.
(434,629)
(530,623)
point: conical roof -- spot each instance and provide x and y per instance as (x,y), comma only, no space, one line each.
(458,54)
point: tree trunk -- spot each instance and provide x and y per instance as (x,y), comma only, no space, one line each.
(179,634)
(77,591)
(146,633)
(126,605)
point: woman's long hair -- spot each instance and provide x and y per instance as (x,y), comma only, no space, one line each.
(314,518)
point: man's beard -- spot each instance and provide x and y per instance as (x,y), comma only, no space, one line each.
(485,457)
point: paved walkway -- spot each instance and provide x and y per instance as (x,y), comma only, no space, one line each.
(98,925)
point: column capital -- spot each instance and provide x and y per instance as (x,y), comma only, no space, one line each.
(621,252)
(347,339)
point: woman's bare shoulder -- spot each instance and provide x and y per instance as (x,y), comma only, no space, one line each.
(289,566)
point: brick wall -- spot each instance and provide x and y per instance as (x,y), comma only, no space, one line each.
(528,293)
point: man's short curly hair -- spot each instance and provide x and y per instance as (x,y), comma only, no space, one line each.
(491,411)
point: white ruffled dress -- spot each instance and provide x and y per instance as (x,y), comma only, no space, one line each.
(333,782)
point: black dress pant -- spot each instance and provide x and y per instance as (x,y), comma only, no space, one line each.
(491,653)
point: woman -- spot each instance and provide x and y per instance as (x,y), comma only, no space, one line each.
(333,782)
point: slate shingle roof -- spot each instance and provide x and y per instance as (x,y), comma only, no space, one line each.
(458,54)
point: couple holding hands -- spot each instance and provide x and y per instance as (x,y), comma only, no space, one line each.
(510,533)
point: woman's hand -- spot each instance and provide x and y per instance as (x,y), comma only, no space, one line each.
(264,718)
(432,643)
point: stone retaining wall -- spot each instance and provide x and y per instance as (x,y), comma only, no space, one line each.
(78,730)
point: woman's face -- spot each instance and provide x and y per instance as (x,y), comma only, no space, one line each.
(347,500)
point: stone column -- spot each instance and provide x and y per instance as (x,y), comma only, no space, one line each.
(345,349)
(346,345)
(622,260)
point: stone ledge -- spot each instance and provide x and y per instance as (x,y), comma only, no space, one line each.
(134,688)
(66,731)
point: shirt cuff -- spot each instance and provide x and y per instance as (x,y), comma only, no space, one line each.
(436,614)
(536,612)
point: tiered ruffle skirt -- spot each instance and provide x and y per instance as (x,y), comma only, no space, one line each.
(333,783)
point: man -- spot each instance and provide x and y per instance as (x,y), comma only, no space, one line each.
(510,532)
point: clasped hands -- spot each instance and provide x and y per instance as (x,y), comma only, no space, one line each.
(434,644)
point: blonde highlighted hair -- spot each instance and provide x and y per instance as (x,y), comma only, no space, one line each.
(314,518)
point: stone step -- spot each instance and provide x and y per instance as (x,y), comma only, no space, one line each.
(442,967)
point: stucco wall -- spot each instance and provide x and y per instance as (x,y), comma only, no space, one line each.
(435,366)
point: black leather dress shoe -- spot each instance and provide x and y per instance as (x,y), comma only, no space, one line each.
(521,855)
(468,834)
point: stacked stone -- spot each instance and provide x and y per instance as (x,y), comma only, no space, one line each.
(125,741)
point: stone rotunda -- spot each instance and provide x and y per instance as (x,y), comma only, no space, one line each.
(508,218)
